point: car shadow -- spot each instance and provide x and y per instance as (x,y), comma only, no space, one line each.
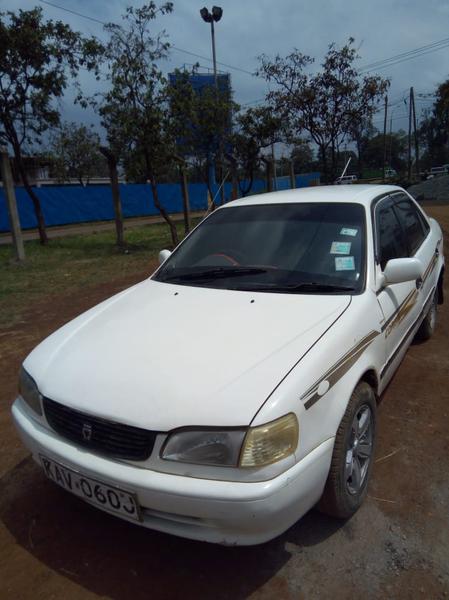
(118,560)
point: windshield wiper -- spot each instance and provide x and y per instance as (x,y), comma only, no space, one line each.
(215,273)
(304,287)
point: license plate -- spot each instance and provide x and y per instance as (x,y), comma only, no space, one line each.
(107,497)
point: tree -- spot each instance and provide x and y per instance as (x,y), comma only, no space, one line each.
(257,129)
(199,121)
(133,110)
(396,150)
(322,104)
(37,59)
(360,131)
(302,155)
(115,189)
(434,129)
(75,153)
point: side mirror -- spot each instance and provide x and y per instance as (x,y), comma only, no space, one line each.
(398,270)
(163,255)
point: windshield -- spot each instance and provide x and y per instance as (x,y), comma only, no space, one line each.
(296,248)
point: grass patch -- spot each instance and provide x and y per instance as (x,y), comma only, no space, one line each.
(74,263)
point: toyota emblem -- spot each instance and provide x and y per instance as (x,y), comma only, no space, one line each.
(86,432)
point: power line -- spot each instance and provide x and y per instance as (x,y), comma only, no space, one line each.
(410,55)
(196,55)
(376,65)
(404,54)
(73,12)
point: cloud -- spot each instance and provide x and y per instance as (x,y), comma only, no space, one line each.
(250,28)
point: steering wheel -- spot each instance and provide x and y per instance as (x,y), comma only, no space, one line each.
(233,257)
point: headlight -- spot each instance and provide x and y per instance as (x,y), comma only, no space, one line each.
(219,448)
(270,443)
(252,447)
(29,392)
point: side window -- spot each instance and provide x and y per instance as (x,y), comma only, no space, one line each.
(391,241)
(411,223)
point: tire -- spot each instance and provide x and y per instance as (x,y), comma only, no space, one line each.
(427,327)
(347,483)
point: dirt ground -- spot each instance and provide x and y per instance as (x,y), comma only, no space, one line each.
(53,545)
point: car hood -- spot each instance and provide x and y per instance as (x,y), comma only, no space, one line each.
(161,356)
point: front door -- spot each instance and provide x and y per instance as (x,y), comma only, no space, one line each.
(401,233)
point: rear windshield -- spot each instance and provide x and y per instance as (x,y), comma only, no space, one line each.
(300,248)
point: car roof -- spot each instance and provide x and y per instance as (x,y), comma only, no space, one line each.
(361,194)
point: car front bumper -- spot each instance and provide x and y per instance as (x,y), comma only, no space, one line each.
(224,512)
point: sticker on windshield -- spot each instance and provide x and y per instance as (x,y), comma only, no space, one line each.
(341,248)
(344,263)
(349,231)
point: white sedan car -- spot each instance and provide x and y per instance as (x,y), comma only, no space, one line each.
(236,388)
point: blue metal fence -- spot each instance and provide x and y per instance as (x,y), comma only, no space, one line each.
(63,205)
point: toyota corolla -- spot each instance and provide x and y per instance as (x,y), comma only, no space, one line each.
(236,388)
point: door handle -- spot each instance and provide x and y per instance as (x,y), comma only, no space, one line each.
(418,283)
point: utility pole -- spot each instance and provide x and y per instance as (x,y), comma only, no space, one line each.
(273,160)
(292,175)
(410,135)
(391,140)
(385,136)
(412,101)
(10,196)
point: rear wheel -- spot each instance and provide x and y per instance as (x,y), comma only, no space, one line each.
(351,465)
(427,327)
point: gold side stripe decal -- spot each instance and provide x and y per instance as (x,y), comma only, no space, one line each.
(340,368)
(402,312)
(431,265)
(336,372)
(408,302)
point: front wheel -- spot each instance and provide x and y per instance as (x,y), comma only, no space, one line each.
(347,482)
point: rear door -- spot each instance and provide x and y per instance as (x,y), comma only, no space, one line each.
(419,241)
(402,231)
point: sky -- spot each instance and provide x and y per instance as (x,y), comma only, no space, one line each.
(249,28)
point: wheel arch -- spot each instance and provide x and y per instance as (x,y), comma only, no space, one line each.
(440,286)
(371,378)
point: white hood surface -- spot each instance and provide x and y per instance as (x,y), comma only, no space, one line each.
(161,356)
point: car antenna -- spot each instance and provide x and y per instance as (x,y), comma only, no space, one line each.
(346,167)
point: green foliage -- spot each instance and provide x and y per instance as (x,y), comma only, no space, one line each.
(256,129)
(132,109)
(74,153)
(37,59)
(323,104)
(199,122)
(396,143)
(302,156)
(434,130)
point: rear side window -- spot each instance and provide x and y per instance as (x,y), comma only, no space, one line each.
(391,240)
(411,223)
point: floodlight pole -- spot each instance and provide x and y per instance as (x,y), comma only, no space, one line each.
(214,56)
(212,17)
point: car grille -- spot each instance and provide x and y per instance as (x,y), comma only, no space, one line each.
(106,437)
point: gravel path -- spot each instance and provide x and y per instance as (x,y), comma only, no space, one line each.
(435,190)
